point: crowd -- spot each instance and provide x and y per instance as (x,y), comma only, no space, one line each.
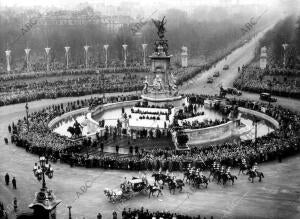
(204,124)
(254,79)
(17,91)
(72,72)
(146,214)
(40,140)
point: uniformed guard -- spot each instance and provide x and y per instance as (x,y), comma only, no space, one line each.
(255,168)
(228,172)
(222,169)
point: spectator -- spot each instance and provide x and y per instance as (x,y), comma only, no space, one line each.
(14,183)
(7,179)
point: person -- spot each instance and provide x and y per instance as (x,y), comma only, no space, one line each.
(167,172)
(6,140)
(7,179)
(244,162)
(99,216)
(255,168)
(201,174)
(14,183)
(15,204)
(228,172)
(222,169)
(115,215)
(214,165)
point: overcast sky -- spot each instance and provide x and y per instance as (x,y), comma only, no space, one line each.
(150,5)
(172,3)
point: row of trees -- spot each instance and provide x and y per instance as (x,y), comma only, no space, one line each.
(286,31)
(202,37)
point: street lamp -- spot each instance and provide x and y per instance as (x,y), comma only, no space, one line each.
(69,207)
(27,51)
(27,121)
(284,45)
(67,48)
(144,46)
(106,48)
(39,171)
(125,54)
(86,49)
(47,49)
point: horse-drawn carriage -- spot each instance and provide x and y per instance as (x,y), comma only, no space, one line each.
(127,190)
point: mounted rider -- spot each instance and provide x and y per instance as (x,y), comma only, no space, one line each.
(244,162)
(214,166)
(223,169)
(255,168)
(228,172)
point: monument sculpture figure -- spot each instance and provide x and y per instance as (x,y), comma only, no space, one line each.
(160,25)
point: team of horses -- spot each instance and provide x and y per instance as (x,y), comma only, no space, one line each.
(192,178)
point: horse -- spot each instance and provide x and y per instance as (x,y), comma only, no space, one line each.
(74,131)
(159,176)
(244,167)
(153,189)
(253,174)
(110,194)
(186,176)
(225,177)
(175,184)
(198,180)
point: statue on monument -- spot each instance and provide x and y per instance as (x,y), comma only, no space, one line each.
(157,83)
(160,25)
(146,83)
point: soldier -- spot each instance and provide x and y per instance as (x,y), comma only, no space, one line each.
(222,169)
(228,172)
(244,162)
(255,168)
(15,204)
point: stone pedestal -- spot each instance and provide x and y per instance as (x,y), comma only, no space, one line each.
(184,57)
(263,58)
(7,53)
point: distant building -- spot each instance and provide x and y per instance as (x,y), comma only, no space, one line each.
(263,58)
(74,18)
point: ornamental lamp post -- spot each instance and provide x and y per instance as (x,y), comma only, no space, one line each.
(27,51)
(8,53)
(27,121)
(144,46)
(106,48)
(86,49)
(45,203)
(39,171)
(47,49)
(67,48)
(284,45)
(125,54)
(70,215)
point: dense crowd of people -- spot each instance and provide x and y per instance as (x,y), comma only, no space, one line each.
(17,91)
(204,124)
(146,214)
(72,72)
(41,140)
(254,79)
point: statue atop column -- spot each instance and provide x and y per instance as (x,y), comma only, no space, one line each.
(160,25)
(161,42)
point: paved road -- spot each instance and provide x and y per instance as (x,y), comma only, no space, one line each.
(278,196)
